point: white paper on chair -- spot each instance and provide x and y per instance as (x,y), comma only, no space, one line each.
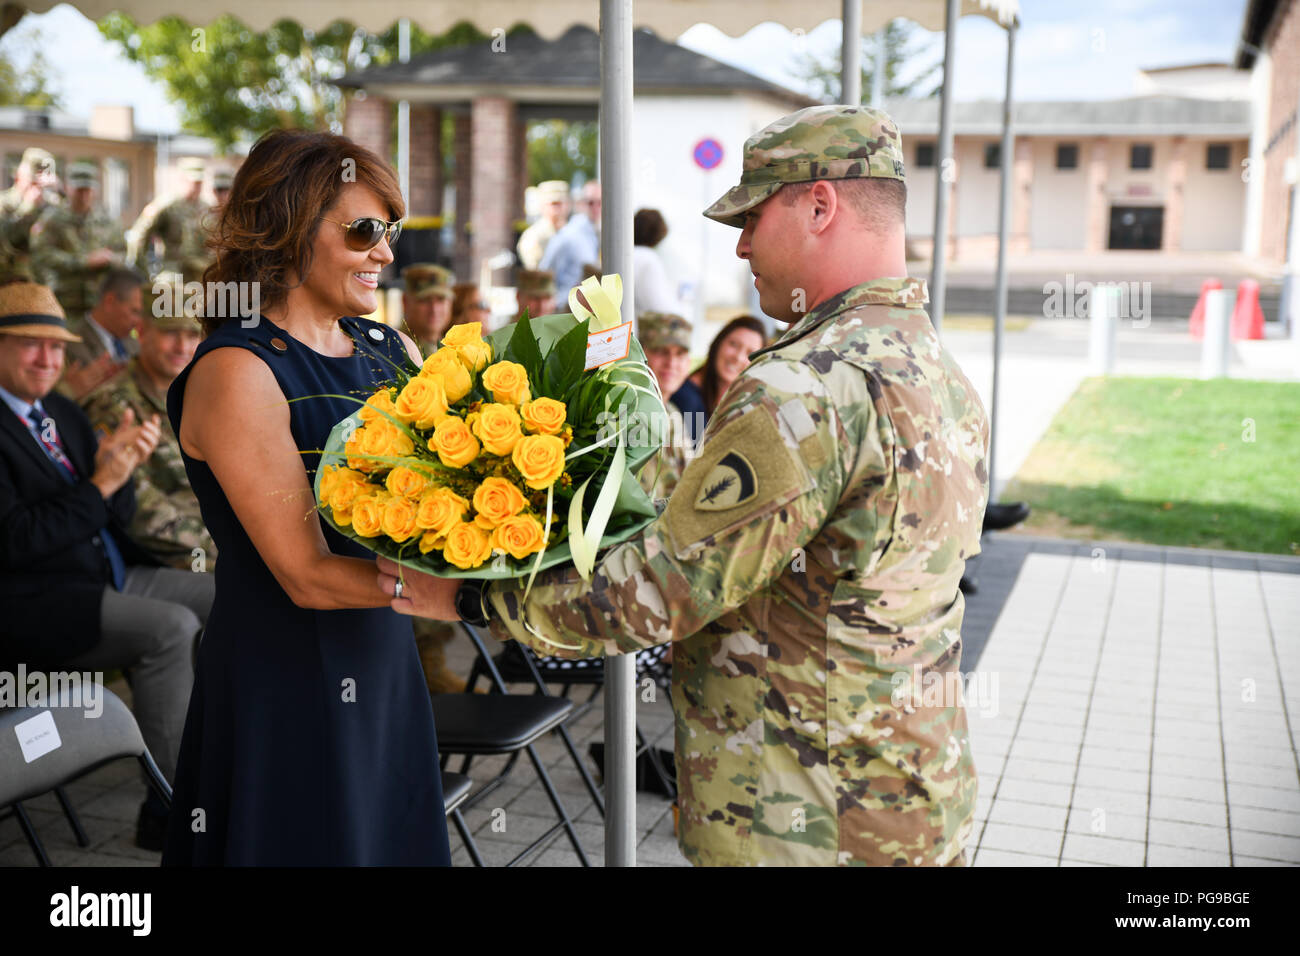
(38,736)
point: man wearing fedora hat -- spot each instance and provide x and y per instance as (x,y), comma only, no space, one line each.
(75,591)
(554,197)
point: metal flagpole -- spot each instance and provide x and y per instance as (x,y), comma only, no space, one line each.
(616,256)
(404,117)
(943,184)
(1000,293)
(851,56)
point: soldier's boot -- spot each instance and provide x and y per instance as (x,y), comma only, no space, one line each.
(431,638)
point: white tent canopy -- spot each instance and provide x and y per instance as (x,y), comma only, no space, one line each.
(668,18)
(615,20)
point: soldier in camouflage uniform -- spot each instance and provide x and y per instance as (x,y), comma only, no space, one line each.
(810,554)
(426,304)
(167,522)
(554,198)
(179,223)
(20,206)
(73,245)
(666,340)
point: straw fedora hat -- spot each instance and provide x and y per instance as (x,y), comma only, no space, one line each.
(31,310)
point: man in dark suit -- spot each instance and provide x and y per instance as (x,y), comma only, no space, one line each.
(75,592)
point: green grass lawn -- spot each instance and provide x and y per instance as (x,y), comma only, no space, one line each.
(1213,464)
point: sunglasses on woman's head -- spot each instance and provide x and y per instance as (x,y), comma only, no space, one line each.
(361,235)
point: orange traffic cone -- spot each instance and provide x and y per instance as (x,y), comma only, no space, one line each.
(1247,316)
(1196,325)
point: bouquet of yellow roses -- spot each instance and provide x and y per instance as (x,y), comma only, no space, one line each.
(506,455)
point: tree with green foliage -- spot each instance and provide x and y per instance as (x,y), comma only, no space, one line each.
(25,77)
(902,44)
(234,84)
(559,150)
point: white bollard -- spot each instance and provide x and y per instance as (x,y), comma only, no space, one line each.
(1103,317)
(1217,347)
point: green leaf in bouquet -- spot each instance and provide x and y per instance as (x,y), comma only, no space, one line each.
(564,364)
(523,349)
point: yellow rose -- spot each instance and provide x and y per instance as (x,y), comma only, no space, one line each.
(381,401)
(422,402)
(397,519)
(344,494)
(496,500)
(508,383)
(335,475)
(430,541)
(352,449)
(445,365)
(497,427)
(406,482)
(367,514)
(467,339)
(440,510)
(540,459)
(467,546)
(544,416)
(382,439)
(452,440)
(518,536)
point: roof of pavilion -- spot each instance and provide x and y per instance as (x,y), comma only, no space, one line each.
(566,68)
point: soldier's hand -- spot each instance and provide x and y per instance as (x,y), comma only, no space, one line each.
(423,595)
(34,194)
(84,377)
(100,257)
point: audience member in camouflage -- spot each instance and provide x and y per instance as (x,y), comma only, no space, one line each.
(666,340)
(20,206)
(73,245)
(810,554)
(179,224)
(167,522)
(426,304)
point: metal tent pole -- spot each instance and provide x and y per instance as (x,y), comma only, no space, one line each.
(616,256)
(943,182)
(1000,293)
(851,55)
(404,117)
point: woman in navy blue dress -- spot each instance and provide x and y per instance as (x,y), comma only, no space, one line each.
(309,739)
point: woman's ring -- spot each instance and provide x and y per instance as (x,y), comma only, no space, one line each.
(397,590)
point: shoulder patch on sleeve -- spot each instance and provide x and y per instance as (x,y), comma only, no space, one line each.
(745,470)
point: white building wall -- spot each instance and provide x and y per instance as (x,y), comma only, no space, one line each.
(699,254)
(1058,198)
(1214,200)
(977,189)
(920,189)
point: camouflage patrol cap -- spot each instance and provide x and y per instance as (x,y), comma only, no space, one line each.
(82,175)
(167,304)
(535,282)
(553,190)
(222,178)
(820,142)
(424,279)
(661,330)
(192,169)
(36,160)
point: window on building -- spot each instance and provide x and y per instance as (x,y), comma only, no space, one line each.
(992,155)
(1139,156)
(925,155)
(1067,155)
(1217,156)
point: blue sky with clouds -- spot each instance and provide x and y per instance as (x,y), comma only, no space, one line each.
(1067,49)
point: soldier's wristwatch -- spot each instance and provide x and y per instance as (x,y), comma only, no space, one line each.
(471,602)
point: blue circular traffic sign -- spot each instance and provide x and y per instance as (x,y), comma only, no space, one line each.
(708,153)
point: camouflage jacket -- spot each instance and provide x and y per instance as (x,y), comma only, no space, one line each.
(181,225)
(532,242)
(167,522)
(809,556)
(16,220)
(659,476)
(61,241)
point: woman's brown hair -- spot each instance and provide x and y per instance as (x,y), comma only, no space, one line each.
(268,224)
(648,228)
(711,386)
